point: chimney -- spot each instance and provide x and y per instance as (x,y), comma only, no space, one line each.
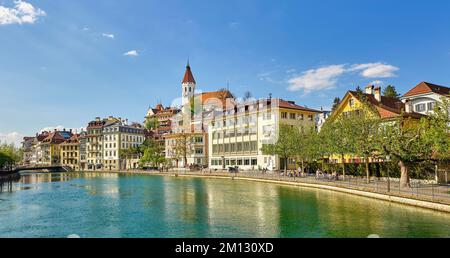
(97,119)
(70,130)
(369,89)
(408,108)
(377,94)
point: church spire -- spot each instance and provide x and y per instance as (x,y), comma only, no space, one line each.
(188,77)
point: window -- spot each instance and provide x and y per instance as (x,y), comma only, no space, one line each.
(247,162)
(239,146)
(420,107)
(199,151)
(284,115)
(351,102)
(254,162)
(301,117)
(310,117)
(239,162)
(267,115)
(431,106)
(291,116)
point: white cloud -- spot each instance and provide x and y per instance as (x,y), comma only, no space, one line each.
(375,70)
(327,77)
(106,35)
(377,83)
(12,138)
(131,53)
(317,79)
(234,25)
(60,128)
(21,13)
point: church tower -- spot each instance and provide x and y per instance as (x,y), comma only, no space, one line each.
(188,86)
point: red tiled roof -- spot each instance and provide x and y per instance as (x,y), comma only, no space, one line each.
(42,136)
(290,104)
(426,87)
(188,77)
(220,95)
(54,138)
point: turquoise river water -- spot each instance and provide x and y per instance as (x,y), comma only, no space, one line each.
(113,205)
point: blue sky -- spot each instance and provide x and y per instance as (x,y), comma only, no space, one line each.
(62,63)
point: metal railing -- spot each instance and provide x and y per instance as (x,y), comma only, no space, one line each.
(438,193)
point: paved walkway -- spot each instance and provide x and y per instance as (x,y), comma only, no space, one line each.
(425,192)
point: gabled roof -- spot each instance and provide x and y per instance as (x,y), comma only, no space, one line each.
(54,138)
(426,87)
(387,108)
(188,77)
(220,95)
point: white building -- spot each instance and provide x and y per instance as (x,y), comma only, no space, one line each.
(118,136)
(423,98)
(321,118)
(238,133)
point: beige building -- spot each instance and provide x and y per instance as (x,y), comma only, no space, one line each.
(70,153)
(94,144)
(119,140)
(238,133)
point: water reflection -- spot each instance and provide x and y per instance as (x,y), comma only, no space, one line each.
(113,205)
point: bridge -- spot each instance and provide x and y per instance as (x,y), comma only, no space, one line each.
(43,169)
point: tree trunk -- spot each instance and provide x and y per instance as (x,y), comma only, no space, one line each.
(367,170)
(404,178)
(303,166)
(343,167)
(285,165)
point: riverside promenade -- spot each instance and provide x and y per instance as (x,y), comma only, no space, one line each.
(431,196)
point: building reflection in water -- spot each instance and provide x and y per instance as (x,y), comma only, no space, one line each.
(213,208)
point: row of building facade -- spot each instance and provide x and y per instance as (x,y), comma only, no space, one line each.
(210,129)
(102,146)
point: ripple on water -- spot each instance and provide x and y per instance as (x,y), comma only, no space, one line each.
(152,206)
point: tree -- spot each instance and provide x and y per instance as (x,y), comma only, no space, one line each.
(183,147)
(336,103)
(358,90)
(362,128)
(126,154)
(152,153)
(410,142)
(304,145)
(339,135)
(152,123)
(9,156)
(391,92)
(285,145)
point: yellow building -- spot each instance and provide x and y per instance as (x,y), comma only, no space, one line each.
(70,153)
(51,148)
(382,107)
